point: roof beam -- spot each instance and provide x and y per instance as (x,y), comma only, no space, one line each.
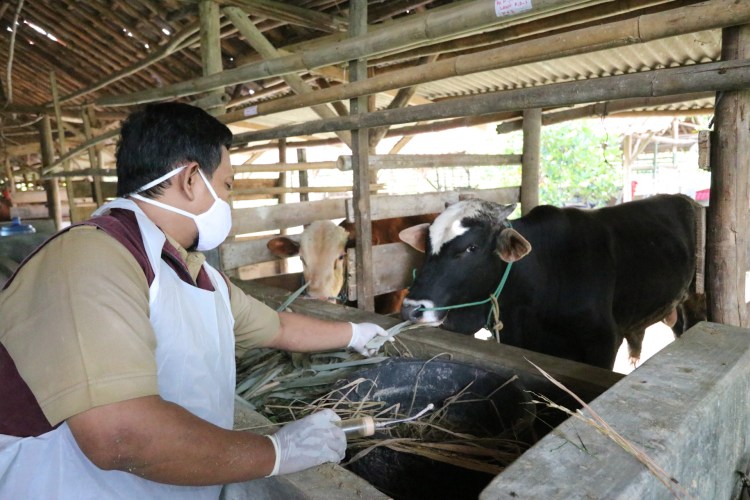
(698,17)
(292,14)
(259,42)
(719,76)
(443,23)
(608,108)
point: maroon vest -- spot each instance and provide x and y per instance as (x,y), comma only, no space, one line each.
(20,413)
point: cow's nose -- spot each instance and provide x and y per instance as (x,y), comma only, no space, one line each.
(410,311)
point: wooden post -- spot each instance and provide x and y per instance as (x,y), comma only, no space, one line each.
(211,50)
(63,147)
(532,133)
(627,162)
(9,174)
(51,186)
(727,216)
(93,157)
(302,174)
(282,198)
(360,153)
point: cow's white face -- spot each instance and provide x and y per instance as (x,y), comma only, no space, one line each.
(448,224)
(322,248)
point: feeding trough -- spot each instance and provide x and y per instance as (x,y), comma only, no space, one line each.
(478,426)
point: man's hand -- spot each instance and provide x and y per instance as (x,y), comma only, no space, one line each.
(308,442)
(362,333)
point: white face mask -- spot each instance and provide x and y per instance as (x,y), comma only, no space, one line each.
(213,225)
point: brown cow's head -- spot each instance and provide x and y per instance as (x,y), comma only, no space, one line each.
(322,248)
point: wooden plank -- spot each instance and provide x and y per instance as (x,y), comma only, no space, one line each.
(394,161)
(587,381)
(235,254)
(392,268)
(269,218)
(387,206)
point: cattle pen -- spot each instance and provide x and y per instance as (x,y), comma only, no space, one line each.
(366,78)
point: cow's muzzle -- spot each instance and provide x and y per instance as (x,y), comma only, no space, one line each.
(419,311)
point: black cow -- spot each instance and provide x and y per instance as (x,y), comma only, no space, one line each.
(593,278)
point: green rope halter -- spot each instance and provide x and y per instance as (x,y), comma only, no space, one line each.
(492,298)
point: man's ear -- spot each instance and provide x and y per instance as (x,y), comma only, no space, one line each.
(188,179)
(511,246)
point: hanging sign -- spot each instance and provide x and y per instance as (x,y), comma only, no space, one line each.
(510,7)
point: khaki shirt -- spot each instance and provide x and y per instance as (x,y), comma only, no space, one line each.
(75,320)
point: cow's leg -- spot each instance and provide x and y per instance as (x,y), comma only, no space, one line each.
(600,343)
(692,310)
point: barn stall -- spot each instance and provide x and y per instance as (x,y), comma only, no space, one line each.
(446,65)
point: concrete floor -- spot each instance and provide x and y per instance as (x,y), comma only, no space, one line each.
(657,337)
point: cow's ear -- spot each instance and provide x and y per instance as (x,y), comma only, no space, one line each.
(283,247)
(350,233)
(416,236)
(511,246)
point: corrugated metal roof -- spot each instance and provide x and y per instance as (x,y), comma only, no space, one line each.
(693,48)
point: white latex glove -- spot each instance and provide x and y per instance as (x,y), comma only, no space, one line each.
(308,442)
(362,333)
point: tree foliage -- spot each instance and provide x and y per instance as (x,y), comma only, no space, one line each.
(579,165)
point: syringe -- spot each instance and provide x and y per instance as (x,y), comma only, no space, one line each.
(366,426)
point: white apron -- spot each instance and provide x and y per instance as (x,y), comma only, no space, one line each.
(196,370)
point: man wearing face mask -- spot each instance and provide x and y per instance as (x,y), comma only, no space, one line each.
(118,342)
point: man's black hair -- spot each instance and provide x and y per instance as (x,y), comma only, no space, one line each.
(162,137)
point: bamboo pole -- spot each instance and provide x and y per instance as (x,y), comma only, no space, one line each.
(727,216)
(261,45)
(276,191)
(452,21)
(84,172)
(51,187)
(9,175)
(344,162)
(689,19)
(93,157)
(55,165)
(401,100)
(361,167)
(286,167)
(187,35)
(726,75)
(532,135)
(210,47)
(609,108)
(292,14)
(302,174)
(405,132)
(283,182)
(62,145)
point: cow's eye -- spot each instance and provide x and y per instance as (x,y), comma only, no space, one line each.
(471,249)
(341,257)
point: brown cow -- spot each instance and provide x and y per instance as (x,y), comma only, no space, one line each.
(322,249)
